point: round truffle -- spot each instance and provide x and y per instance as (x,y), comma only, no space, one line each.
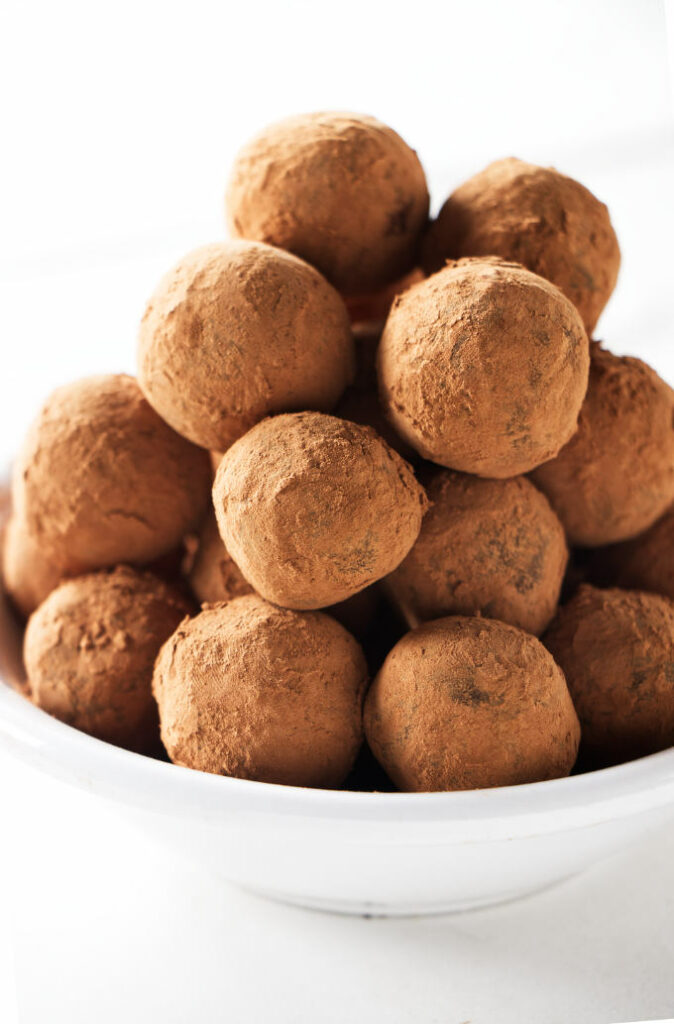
(538,217)
(489,547)
(469,703)
(616,475)
(214,575)
(647,562)
(340,190)
(90,649)
(264,693)
(616,649)
(101,479)
(483,368)
(238,330)
(313,508)
(29,576)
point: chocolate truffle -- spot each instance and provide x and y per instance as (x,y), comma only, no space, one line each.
(616,476)
(469,703)
(214,575)
(313,508)
(373,309)
(616,649)
(90,648)
(101,478)
(483,367)
(647,562)
(259,692)
(538,217)
(29,576)
(490,547)
(238,330)
(340,190)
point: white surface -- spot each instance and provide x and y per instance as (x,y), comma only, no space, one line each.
(376,853)
(153,941)
(118,124)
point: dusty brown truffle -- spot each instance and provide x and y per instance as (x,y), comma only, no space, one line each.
(469,703)
(29,576)
(647,562)
(264,693)
(490,547)
(483,368)
(238,330)
(313,508)
(214,575)
(373,309)
(539,217)
(340,190)
(616,649)
(616,476)
(90,648)
(101,478)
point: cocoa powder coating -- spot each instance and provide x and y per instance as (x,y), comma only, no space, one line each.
(490,547)
(238,330)
(647,562)
(102,479)
(616,648)
(258,692)
(90,648)
(214,575)
(469,703)
(29,576)
(615,478)
(538,217)
(314,509)
(341,190)
(483,368)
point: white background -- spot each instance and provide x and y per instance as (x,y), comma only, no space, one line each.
(118,125)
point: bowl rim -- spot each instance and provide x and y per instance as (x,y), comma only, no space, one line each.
(33,737)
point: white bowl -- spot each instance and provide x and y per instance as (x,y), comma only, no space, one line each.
(365,853)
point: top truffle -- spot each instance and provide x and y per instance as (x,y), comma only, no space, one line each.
(483,368)
(313,508)
(239,330)
(537,216)
(340,190)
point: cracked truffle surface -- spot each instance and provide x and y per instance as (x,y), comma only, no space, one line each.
(236,331)
(314,509)
(469,703)
(102,479)
(258,692)
(90,648)
(538,217)
(341,190)
(615,477)
(490,547)
(483,368)
(616,649)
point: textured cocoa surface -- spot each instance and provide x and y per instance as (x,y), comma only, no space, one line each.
(538,217)
(616,649)
(238,330)
(483,368)
(490,547)
(467,703)
(314,509)
(260,692)
(615,477)
(90,649)
(341,190)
